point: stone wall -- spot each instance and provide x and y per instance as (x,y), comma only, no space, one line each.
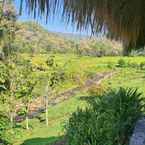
(138,137)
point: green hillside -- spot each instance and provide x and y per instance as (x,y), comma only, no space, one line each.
(32,38)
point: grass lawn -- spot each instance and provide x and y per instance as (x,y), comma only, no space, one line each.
(127,77)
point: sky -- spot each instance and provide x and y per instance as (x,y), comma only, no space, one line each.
(54,25)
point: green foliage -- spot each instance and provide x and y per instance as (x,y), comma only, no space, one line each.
(26,90)
(4,123)
(142,65)
(4,127)
(109,120)
(27,85)
(51,61)
(110,65)
(55,74)
(121,63)
(7,27)
(34,39)
(99,47)
(3,76)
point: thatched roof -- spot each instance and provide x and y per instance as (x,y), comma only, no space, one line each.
(125,19)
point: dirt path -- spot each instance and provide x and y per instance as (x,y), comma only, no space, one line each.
(37,107)
(96,80)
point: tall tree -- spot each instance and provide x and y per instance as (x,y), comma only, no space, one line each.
(54,79)
(7,27)
(26,90)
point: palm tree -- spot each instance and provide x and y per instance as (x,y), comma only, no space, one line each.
(123,19)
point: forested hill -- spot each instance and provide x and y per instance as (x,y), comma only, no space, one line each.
(33,38)
(41,40)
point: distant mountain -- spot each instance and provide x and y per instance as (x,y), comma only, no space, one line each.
(71,36)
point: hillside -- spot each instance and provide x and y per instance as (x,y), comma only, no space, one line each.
(41,40)
(32,38)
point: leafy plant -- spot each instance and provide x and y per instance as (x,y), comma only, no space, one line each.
(121,63)
(4,126)
(142,65)
(109,120)
(25,90)
(4,121)
(55,76)
(3,77)
(110,65)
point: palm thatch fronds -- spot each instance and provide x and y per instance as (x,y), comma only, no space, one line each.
(123,19)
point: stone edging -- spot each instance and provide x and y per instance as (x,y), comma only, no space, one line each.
(138,137)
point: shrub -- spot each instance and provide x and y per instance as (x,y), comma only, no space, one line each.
(3,123)
(109,119)
(4,127)
(142,65)
(121,63)
(110,65)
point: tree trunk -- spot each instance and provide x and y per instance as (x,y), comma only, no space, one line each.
(27,122)
(12,119)
(46,110)
(27,118)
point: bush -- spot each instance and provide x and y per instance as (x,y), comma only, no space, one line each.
(121,63)
(109,119)
(4,127)
(142,65)
(110,65)
(3,122)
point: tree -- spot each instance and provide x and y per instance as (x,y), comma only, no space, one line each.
(3,77)
(121,19)
(54,78)
(9,82)
(26,90)
(11,92)
(4,126)
(7,27)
